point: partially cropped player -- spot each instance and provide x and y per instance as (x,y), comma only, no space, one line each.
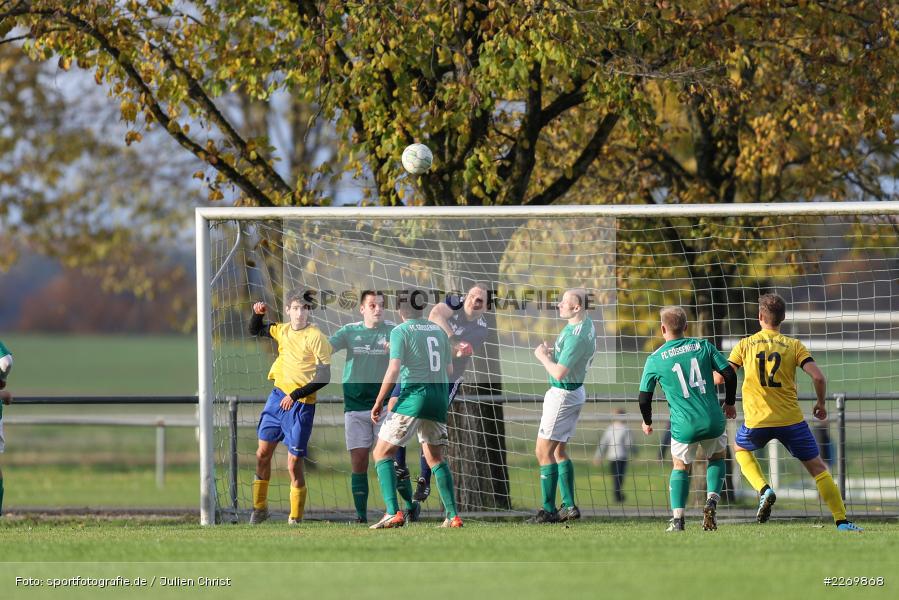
(301,369)
(566,363)
(771,408)
(419,359)
(5,398)
(462,319)
(684,368)
(367,353)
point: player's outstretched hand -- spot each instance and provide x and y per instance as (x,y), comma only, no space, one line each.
(819,411)
(259,308)
(718,378)
(286,402)
(647,429)
(730,412)
(6,397)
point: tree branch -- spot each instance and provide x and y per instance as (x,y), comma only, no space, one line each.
(243,182)
(561,185)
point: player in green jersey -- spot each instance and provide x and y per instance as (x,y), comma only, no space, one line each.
(367,353)
(566,363)
(420,359)
(5,398)
(684,368)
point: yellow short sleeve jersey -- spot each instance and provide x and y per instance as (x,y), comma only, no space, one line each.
(299,352)
(769,360)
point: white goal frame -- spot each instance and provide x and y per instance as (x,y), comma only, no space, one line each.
(204,216)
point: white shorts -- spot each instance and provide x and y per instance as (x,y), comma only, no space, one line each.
(359,431)
(686,453)
(561,409)
(399,429)
(2,439)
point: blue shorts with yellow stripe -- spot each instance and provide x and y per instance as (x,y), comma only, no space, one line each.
(293,426)
(797,439)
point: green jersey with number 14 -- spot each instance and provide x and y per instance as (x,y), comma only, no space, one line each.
(683,367)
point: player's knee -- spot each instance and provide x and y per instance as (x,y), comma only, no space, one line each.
(815,466)
(263,456)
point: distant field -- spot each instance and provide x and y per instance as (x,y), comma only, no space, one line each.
(595,559)
(167,365)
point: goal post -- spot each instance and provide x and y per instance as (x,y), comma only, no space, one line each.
(835,263)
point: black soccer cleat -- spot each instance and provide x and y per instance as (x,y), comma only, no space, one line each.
(675,525)
(709,515)
(422,490)
(544,516)
(569,513)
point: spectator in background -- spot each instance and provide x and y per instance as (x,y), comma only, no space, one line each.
(616,446)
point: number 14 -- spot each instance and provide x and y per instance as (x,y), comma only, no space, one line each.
(696,380)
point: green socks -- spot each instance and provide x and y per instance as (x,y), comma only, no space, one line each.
(359,487)
(549,479)
(680,488)
(714,476)
(445,487)
(566,482)
(404,486)
(387,481)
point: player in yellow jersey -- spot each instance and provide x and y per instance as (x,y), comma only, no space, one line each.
(302,368)
(771,408)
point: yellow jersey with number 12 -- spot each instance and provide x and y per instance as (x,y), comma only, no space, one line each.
(769,360)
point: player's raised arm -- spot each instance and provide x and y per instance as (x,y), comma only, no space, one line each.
(258,326)
(440,314)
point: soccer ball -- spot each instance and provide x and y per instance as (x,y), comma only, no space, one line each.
(417,159)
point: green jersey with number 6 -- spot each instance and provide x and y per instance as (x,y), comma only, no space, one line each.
(424,352)
(683,367)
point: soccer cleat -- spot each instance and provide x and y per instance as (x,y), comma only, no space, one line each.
(569,513)
(292,521)
(544,516)
(453,523)
(709,515)
(402,471)
(849,526)
(675,525)
(389,521)
(766,501)
(359,519)
(422,490)
(259,515)
(415,513)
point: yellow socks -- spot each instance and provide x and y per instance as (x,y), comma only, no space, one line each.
(260,494)
(751,469)
(297,502)
(830,493)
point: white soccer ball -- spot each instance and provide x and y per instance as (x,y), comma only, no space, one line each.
(417,159)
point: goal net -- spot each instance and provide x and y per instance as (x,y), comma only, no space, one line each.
(837,268)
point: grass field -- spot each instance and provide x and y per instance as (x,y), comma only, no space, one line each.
(599,559)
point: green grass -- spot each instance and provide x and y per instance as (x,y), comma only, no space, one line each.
(613,559)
